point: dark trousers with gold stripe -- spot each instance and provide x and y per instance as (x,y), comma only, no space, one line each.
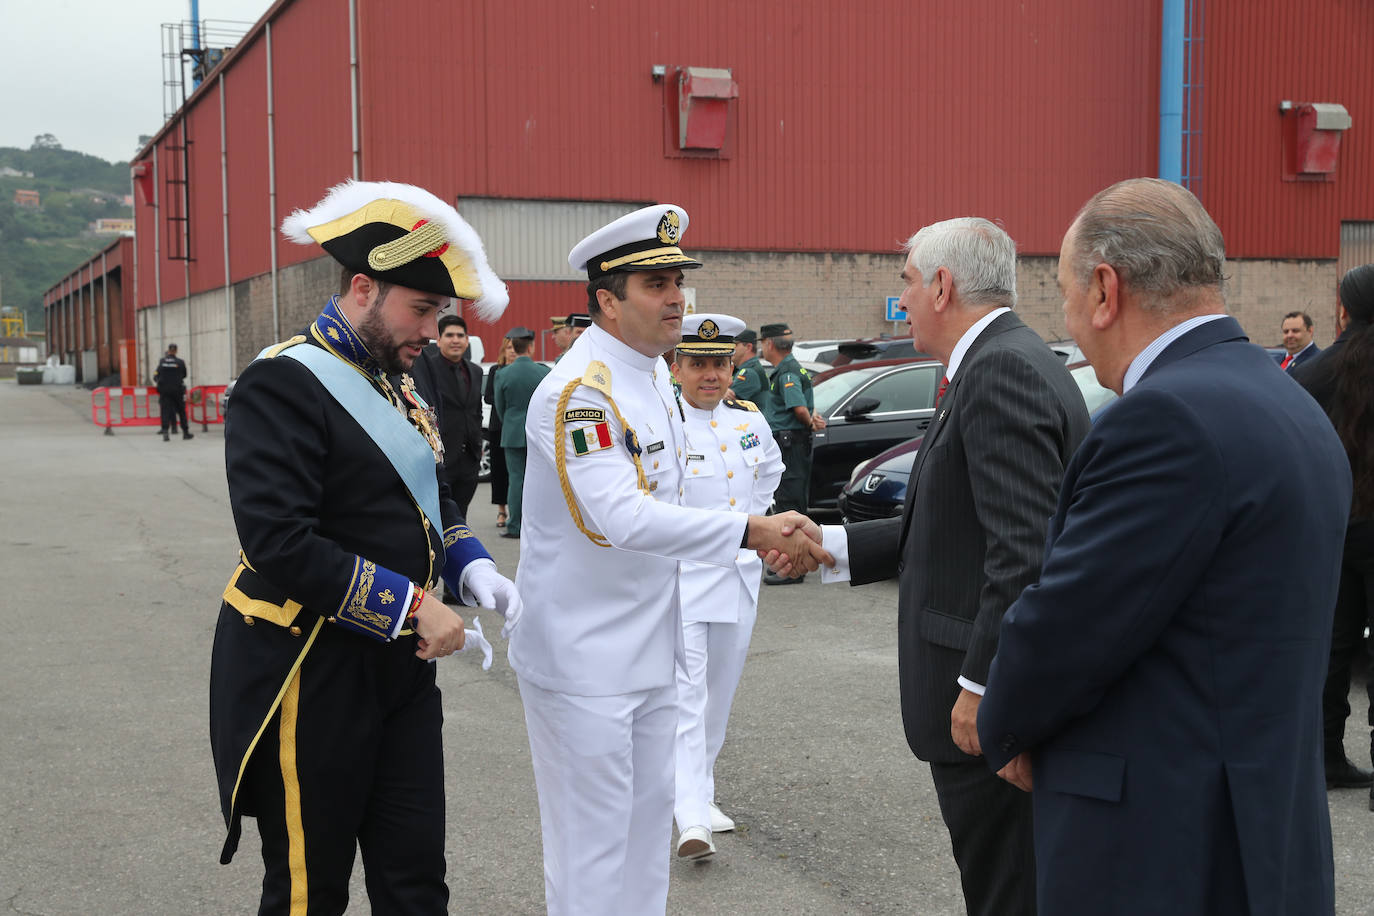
(353,757)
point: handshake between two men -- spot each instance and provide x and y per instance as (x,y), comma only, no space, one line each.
(789,543)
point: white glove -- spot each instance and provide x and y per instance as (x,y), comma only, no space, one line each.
(474,638)
(483,586)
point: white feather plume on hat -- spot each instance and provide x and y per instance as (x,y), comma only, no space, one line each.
(351,196)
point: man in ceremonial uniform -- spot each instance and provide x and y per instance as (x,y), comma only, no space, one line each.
(170,379)
(732,463)
(604,530)
(325,721)
(789,407)
(750,382)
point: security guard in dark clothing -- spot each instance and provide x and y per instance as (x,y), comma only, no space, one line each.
(789,409)
(170,379)
(325,720)
(750,382)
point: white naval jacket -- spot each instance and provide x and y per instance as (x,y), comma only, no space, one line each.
(600,620)
(732,462)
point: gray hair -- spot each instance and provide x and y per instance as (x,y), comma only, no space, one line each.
(978,254)
(1158,238)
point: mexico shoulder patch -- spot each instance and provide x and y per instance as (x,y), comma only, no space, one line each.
(587,439)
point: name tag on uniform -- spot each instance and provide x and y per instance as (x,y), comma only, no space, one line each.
(654,447)
(695,456)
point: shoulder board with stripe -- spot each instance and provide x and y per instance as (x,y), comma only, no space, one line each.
(741,404)
(276,349)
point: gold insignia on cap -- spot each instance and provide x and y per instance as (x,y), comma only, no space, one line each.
(708,330)
(669,228)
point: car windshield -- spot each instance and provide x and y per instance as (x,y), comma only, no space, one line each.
(1094,395)
(831,391)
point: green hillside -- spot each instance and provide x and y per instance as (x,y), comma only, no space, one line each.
(40,246)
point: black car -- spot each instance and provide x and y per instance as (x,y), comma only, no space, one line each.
(866,349)
(877,488)
(868,407)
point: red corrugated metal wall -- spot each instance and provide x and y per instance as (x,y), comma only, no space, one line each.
(245,97)
(856,122)
(1259,52)
(532,304)
(313,102)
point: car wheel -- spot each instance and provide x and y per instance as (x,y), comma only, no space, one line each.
(484,463)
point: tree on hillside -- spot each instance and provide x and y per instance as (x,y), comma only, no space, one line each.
(45,141)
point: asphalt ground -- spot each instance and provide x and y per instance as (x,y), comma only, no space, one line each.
(115,551)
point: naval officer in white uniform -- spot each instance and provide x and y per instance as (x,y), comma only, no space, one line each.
(732,463)
(603,532)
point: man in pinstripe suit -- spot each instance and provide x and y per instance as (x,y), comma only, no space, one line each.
(971,537)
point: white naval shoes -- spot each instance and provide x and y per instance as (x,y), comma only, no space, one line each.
(720,822)
(695,843)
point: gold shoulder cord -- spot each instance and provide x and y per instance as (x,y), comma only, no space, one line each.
(597,376)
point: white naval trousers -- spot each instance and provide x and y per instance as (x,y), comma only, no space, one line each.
(603,767)
(715,655)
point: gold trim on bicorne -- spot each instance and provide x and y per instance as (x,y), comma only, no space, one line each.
(598,376)
(271,711)
(649,256)
(280,614)
(397,213)
(291,791)
(416,243)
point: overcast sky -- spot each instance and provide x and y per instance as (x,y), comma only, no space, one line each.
(90,73)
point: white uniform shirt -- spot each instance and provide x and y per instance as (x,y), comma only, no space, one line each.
(732,462)
(599,620)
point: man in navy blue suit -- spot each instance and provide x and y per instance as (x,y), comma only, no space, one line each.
(1298,345)
(1160,687)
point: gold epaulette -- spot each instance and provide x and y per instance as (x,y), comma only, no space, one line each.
(276,349)
(597,376)
(742,404)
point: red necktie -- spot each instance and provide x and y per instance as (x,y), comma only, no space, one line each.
(1286,360)
(939,395)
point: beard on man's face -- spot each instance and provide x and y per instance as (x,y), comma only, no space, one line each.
(377,338)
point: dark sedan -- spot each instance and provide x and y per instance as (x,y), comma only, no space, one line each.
(868,407)
(877,487)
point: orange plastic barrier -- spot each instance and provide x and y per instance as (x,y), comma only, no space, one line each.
(133,406)
(204,405)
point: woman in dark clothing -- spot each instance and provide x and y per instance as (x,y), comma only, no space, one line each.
(500,480)
(1341,378)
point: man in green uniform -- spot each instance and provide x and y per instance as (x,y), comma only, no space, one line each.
(750,382)
(514,387)
(789,407)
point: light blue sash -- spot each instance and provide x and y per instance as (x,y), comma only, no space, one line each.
(403,445)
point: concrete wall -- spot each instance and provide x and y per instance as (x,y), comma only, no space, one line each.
(820,295)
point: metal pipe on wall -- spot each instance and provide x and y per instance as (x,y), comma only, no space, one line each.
(1171,92)
(353,85)
(157,262)
(192,363)
(224,201)
(131,300)
(272,192)
(105,307)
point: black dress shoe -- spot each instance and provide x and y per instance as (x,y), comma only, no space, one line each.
(511,534)
(774,579)
(1345,775)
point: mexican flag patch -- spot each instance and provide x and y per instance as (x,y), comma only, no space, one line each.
(591,438)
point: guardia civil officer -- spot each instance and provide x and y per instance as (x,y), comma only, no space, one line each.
(604,529)
(750,382)
(325,721)
(170,379)
(732,463)
(790,407)
(514,388)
